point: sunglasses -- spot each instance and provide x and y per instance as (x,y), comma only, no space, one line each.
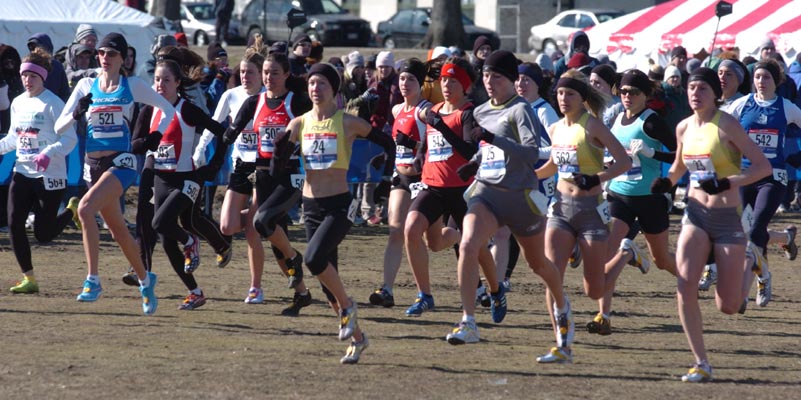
(631,91)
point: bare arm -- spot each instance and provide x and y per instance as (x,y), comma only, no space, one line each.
(598,132)
(734,134)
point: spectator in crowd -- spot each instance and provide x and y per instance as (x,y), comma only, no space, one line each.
(482,48)
(130,62)
(180,37)
(678,59)
(315,54)
(301,49)
(146,70)
(223,10)
(579,44)
(56,81)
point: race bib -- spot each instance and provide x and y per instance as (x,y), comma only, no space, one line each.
(297,180)
(549,186)
(700,166)
(107,122)
(747,219)
(87,173)
(539,200)
(54,183)
(267,135)
(248,145)
(319,150)
(633,174)
(603,212)
(191,189)
(493,161)
(780,175)
(566,159)
(404,155)
(416,187)
(165,156)
(125,160)
(439,149)
(766,139)
(27,146)
(354,206)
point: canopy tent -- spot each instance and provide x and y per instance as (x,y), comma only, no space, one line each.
(60,18)
(651,33)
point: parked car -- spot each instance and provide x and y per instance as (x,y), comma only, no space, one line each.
(556,32)
(327,22)
(197,20)
(407,28)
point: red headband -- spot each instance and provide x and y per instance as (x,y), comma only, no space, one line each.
(458,73)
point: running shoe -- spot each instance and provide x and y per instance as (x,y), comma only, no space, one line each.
(298,302)
(130,278)
(557,355)
(564,323)
(225,257)
(382,297)
(507,284)
(463,333)
(753,251)
(355,351)
(708,277)
(575,256)
(698,373)
(482,297)
(294,269)
(91,291)
(790,249)
(638,259)
(743,306)
(498,308)
(26,286)
(192,255)
(73,206)
(423,303)
(149,300)
(255,296)
(348,321)
(600,325)
(193,301)
(764,290)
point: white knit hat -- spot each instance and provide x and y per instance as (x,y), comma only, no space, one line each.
(672,71)
(385,59)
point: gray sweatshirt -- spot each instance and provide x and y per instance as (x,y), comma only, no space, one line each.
(509,161)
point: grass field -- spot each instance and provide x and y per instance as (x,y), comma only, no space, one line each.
(57,348)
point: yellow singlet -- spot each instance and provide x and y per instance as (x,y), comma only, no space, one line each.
(705,156)
(323,144)
(572,152)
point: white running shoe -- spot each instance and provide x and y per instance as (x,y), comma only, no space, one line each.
(558,355)
(255,296)
(764,290)
(348,321)
(465,332)
(564,322)
(709,276)
(638,259)
(698,373)
(355,351)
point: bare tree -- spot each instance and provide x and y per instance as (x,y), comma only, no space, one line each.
(446,27)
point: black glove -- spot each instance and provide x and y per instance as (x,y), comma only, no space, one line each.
(484,135)
(661,185)
(417,164)
(794,160)
(467,171)
(152,140)
(207,172)
(230,135)
(402,139)
(586,182)
(433,118)
(281,155)
(83,106)
(381,192)
(715,186)
(378,161)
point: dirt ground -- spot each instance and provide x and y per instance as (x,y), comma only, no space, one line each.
(56,348)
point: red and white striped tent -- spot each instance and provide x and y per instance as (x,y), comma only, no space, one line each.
(632,39)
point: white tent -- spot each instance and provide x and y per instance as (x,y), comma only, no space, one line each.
(651,33)
(19,20)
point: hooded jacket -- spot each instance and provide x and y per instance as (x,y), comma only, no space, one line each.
(561,65)
(56,81)
(74,74)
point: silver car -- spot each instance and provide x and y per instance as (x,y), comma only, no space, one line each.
(197,19)
(555,33)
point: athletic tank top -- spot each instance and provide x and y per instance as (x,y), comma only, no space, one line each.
(442,162)
(269,123)
(766,126)
(323,144)
(705,156)
(410,124)
(572,152)
(109,117)
(637,180)
(177,144)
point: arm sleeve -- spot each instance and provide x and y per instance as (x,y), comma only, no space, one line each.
(524,125)
(143,93)
(655,127)
(385,141)
(792,112)
(301,104)
(220,114)
(196,117)
(65,120)
(246,113)
(67,139)
(460,145)
(141,130)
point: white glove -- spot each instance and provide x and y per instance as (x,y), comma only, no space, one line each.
(638,147)
(199,157)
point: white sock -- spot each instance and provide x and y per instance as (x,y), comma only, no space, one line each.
(471,319)
(93,278)
(145,282)
(196,291)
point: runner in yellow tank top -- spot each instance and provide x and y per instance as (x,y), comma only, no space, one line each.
(323,143)
(709,146)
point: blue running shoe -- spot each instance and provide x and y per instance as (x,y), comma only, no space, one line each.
(498,306)
(91,291)
(149,300)
(424,302)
